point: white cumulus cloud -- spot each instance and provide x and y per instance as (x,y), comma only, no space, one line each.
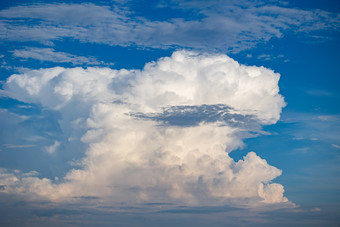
(53,148)
(139,150)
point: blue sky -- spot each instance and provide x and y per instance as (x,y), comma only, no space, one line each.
(148,113)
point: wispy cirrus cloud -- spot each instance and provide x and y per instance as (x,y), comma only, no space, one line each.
(335,146)
(268,57)
(230,27)
(315,127)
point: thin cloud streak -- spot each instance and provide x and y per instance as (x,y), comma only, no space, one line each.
(50,55)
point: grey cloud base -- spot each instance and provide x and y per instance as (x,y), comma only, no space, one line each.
(133,157)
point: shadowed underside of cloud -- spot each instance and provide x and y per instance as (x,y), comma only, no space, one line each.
(139,151)
(194,115)
(215,26)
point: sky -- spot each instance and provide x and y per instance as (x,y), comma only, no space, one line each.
(164,113)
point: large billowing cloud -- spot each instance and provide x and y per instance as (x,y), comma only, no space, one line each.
(161,134)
